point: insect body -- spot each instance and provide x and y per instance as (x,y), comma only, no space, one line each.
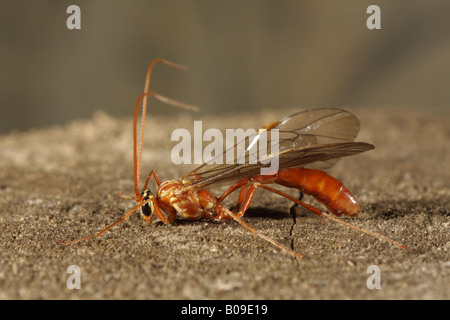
(326,189)
(323,187)
(308,143)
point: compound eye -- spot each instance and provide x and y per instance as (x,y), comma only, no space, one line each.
(146,210)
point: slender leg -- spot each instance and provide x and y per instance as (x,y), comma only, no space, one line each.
(316,211)
(241,198)
(237,185)
(155,176)
(245,198)
(243,184)
(158,182)
(109,227)
(253,188)
(221,210)
(223,215)
(170,216)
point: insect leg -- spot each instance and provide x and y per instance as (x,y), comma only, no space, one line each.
(224,211)
(241,198)
(157,180)
(170,216)
(237,185)
(320,213)
(246,198)
(155,176)
(240,184)
(253,188)
(109,227)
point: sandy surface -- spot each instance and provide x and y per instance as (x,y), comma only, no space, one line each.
(59,183)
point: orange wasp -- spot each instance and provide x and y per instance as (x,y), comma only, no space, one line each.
(308,143)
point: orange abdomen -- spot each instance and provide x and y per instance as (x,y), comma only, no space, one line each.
(326,189)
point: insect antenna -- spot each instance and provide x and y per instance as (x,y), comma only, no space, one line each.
(143,98)
(137,159)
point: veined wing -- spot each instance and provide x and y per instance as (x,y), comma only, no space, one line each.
(315,138)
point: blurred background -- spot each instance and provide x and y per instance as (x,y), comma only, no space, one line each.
(243,55)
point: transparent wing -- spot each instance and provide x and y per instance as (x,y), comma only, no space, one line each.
(315,138)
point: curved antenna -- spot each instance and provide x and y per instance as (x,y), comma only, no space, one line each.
(143,97)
